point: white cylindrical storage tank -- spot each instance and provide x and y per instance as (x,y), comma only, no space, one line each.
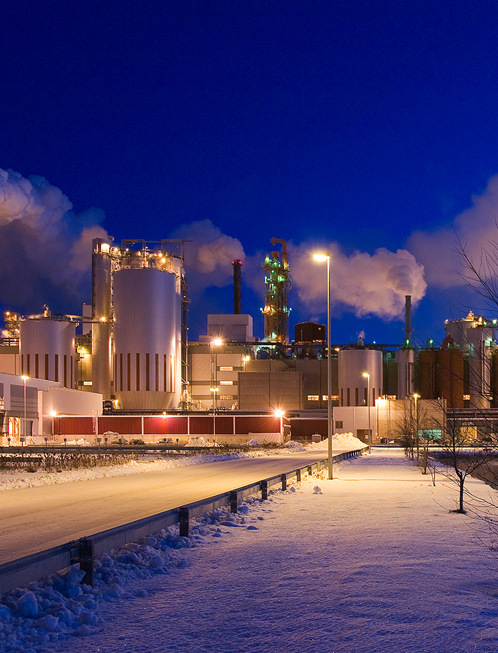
(47,349)
(147,338)
(353,386)
(405,360)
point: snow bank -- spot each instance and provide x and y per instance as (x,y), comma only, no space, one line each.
(61,607)
(339,441)
(22,479)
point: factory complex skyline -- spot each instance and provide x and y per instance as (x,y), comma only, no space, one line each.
(369,133)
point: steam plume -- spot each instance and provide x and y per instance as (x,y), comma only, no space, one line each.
(362,283)
(474,228)
(210,253)
(45,247)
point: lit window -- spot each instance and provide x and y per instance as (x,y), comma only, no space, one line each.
(466,397)
(229,397)
(324,397)
(226,382)
(313,397)
(226,369)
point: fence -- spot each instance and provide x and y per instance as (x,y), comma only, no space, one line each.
(18,573)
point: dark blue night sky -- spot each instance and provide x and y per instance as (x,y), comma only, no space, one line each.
(366,128)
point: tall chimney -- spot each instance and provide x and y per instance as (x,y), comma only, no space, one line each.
(408,320)
(237,265)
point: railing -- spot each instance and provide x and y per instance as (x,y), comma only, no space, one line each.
(18,573)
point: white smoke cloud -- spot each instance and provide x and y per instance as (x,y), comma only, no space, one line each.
(209,256)
(45,247)
(366,284)
(475,228)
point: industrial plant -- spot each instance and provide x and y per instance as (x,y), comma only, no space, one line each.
(126,365)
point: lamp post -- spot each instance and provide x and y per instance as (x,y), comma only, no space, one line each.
(367,376)
(416,397)
(322,258)
(214,391)
(23,430)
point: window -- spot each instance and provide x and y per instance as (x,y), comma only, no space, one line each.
(313,397)
(226,382)
(229,397)
(339,424)
(226,369)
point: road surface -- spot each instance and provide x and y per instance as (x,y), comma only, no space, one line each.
(35,519)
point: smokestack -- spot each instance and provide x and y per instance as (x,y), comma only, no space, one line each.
(237,265)
(408,320)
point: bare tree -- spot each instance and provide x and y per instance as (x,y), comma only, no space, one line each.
(462,455)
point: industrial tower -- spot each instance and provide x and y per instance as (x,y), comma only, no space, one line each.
(277,285)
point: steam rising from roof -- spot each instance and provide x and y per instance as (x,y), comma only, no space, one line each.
(45,247)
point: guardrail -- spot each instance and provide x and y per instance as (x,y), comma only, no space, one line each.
(22,571)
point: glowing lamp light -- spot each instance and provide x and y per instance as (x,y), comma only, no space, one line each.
(321,257)
(24,377)
(53,413)
(279,413)
(366,375)
(217,342)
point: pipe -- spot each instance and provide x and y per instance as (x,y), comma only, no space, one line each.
(408,320)
(237,265)
(274,241)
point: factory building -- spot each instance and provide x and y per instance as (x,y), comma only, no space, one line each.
(133,352)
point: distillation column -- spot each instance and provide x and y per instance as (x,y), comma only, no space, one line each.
(101,316)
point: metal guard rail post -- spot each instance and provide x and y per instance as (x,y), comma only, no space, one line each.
(34,567)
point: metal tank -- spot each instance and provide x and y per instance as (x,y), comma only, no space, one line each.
(353,385)
(47,348)
(480,344)
(147,334)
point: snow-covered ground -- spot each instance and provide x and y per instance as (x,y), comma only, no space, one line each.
(371,562)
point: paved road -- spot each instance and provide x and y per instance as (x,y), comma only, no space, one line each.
(34,519)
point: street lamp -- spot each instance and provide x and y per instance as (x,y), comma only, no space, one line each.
(24,378)
(367,376)
(322,258)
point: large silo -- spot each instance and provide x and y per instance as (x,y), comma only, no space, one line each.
(480,346)
(47,348)
(147,334)
(353,385)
